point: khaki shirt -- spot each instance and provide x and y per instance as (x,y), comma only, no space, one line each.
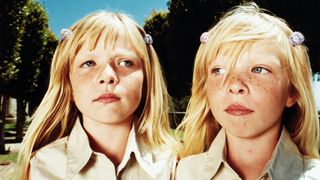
(286,163)
(71,157)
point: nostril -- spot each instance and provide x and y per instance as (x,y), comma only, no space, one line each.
(111,81)
(101,81)
(236,91)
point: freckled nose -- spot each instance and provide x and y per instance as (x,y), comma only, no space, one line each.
(237,86)
(108,76)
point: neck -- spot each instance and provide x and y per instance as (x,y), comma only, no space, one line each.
(109,139)
(249,156)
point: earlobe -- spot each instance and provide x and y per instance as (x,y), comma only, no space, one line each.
(291,100)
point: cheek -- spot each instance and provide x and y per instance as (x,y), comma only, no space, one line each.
(274,92)
(214,91)
(133,83)
(79,79)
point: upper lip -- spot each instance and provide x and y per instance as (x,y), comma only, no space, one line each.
(107,96)
(237,107)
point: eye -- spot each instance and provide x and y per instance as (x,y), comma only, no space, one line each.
(88,63)
(217,71)
(126,63)
(259,70)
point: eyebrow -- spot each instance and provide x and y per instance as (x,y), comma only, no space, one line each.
(116,53)
(126,53)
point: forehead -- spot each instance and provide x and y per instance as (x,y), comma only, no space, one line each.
(258,51)
(108,39)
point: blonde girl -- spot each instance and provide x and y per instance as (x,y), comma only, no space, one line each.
(105,113)
(252,113)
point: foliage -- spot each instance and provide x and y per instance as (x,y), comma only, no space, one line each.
(12,20)
(32,51)
(176,37)
(43,77)
(181,103)
(157,25)
(25,48)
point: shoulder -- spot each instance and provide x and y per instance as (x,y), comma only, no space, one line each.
(50,160)
(191,167)
(312,169)
(54,149)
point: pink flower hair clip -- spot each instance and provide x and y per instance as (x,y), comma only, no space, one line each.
(204,37)
(65,34)
(296,38)
(148,39)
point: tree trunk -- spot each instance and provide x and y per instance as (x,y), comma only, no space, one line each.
(21,118)
(3,114)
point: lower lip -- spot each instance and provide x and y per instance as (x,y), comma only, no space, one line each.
(239,112)
(108,100)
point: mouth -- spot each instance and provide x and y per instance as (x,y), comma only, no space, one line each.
(107,98)
(238,110)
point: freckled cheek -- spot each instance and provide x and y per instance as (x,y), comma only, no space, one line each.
(267,91)
(132,85)
(82,83)
(214,91)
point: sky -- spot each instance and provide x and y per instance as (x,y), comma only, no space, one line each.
(63,13)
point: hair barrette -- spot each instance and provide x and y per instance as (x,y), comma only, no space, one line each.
(296,38)
(204,37)
(148,39)
(65,34)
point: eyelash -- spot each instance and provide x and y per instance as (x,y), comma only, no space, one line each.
(88,63)
(128,63)
(220,71)
(217,71)
(261,70)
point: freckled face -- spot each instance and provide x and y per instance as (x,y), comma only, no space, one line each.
(107,82)
(252,102)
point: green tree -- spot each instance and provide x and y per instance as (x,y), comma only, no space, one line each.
(157,25)
(32,51)
(12,20)
(176,38)
(43,77)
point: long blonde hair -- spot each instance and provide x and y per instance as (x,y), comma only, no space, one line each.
(238,29)
(56,115)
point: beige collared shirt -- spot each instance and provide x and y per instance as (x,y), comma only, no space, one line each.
(286,163)
(71,157)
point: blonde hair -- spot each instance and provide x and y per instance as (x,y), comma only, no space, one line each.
(235,32)
(57,113)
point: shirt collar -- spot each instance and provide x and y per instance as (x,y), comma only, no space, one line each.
(152,161)
(286,159)
(78,149)
(216,154)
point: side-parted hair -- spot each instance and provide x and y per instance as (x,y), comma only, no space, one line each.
(239,28)
(57,113)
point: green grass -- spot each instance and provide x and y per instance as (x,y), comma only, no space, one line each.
(10,126)
(9,158)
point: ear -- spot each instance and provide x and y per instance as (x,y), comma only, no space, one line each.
(291,100)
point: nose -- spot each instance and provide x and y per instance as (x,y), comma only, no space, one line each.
(108,76)
(237,86)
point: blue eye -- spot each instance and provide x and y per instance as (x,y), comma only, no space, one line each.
(126,63)
(217,71)
(89,63)
(259,70)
